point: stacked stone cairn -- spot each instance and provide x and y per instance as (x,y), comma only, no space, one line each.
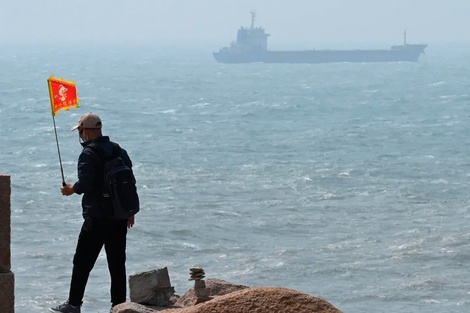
(197,274)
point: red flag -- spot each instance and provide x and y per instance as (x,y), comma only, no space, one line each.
(63,94)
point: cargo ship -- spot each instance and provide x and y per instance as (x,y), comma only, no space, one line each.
(252,46)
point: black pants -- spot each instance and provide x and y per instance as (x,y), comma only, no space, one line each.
(93,235)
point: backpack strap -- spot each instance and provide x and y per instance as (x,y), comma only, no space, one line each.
(102,158)
(116,150)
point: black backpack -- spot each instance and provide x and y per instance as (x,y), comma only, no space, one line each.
(119,186)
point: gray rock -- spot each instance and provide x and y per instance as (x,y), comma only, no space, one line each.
(132,308)
(151,288)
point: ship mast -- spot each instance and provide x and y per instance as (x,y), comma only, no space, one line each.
(253,16)
(404,37)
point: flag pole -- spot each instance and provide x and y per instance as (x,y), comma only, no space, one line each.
(58,152)
(55,131)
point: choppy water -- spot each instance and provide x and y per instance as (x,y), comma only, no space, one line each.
(344,181)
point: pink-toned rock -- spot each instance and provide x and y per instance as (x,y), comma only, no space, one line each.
(217,287)
(262,300)
(256,300)
(221,287)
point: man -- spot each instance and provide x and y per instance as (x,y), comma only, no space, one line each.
(98,228)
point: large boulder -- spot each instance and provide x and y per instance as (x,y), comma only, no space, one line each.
(262,300)
(249,300)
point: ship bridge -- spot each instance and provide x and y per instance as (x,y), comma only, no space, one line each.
(252,38)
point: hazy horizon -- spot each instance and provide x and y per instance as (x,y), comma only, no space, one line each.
(299,23)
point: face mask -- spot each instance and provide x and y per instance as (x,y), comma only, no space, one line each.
(81,139)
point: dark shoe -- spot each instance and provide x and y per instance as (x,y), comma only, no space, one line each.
(66,307)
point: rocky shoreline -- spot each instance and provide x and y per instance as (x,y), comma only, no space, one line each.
(225,297)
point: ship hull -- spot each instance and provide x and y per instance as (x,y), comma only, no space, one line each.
(408,53)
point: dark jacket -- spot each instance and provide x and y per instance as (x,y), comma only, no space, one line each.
(91,177)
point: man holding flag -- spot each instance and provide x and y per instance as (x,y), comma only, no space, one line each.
(99,228)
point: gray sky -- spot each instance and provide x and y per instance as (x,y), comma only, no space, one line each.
(301,23)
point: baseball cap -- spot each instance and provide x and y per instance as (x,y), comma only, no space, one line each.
(88,120)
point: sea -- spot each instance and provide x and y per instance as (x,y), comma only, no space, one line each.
(347,181)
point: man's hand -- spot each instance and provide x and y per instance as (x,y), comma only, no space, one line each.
(130,222)
(67,190)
